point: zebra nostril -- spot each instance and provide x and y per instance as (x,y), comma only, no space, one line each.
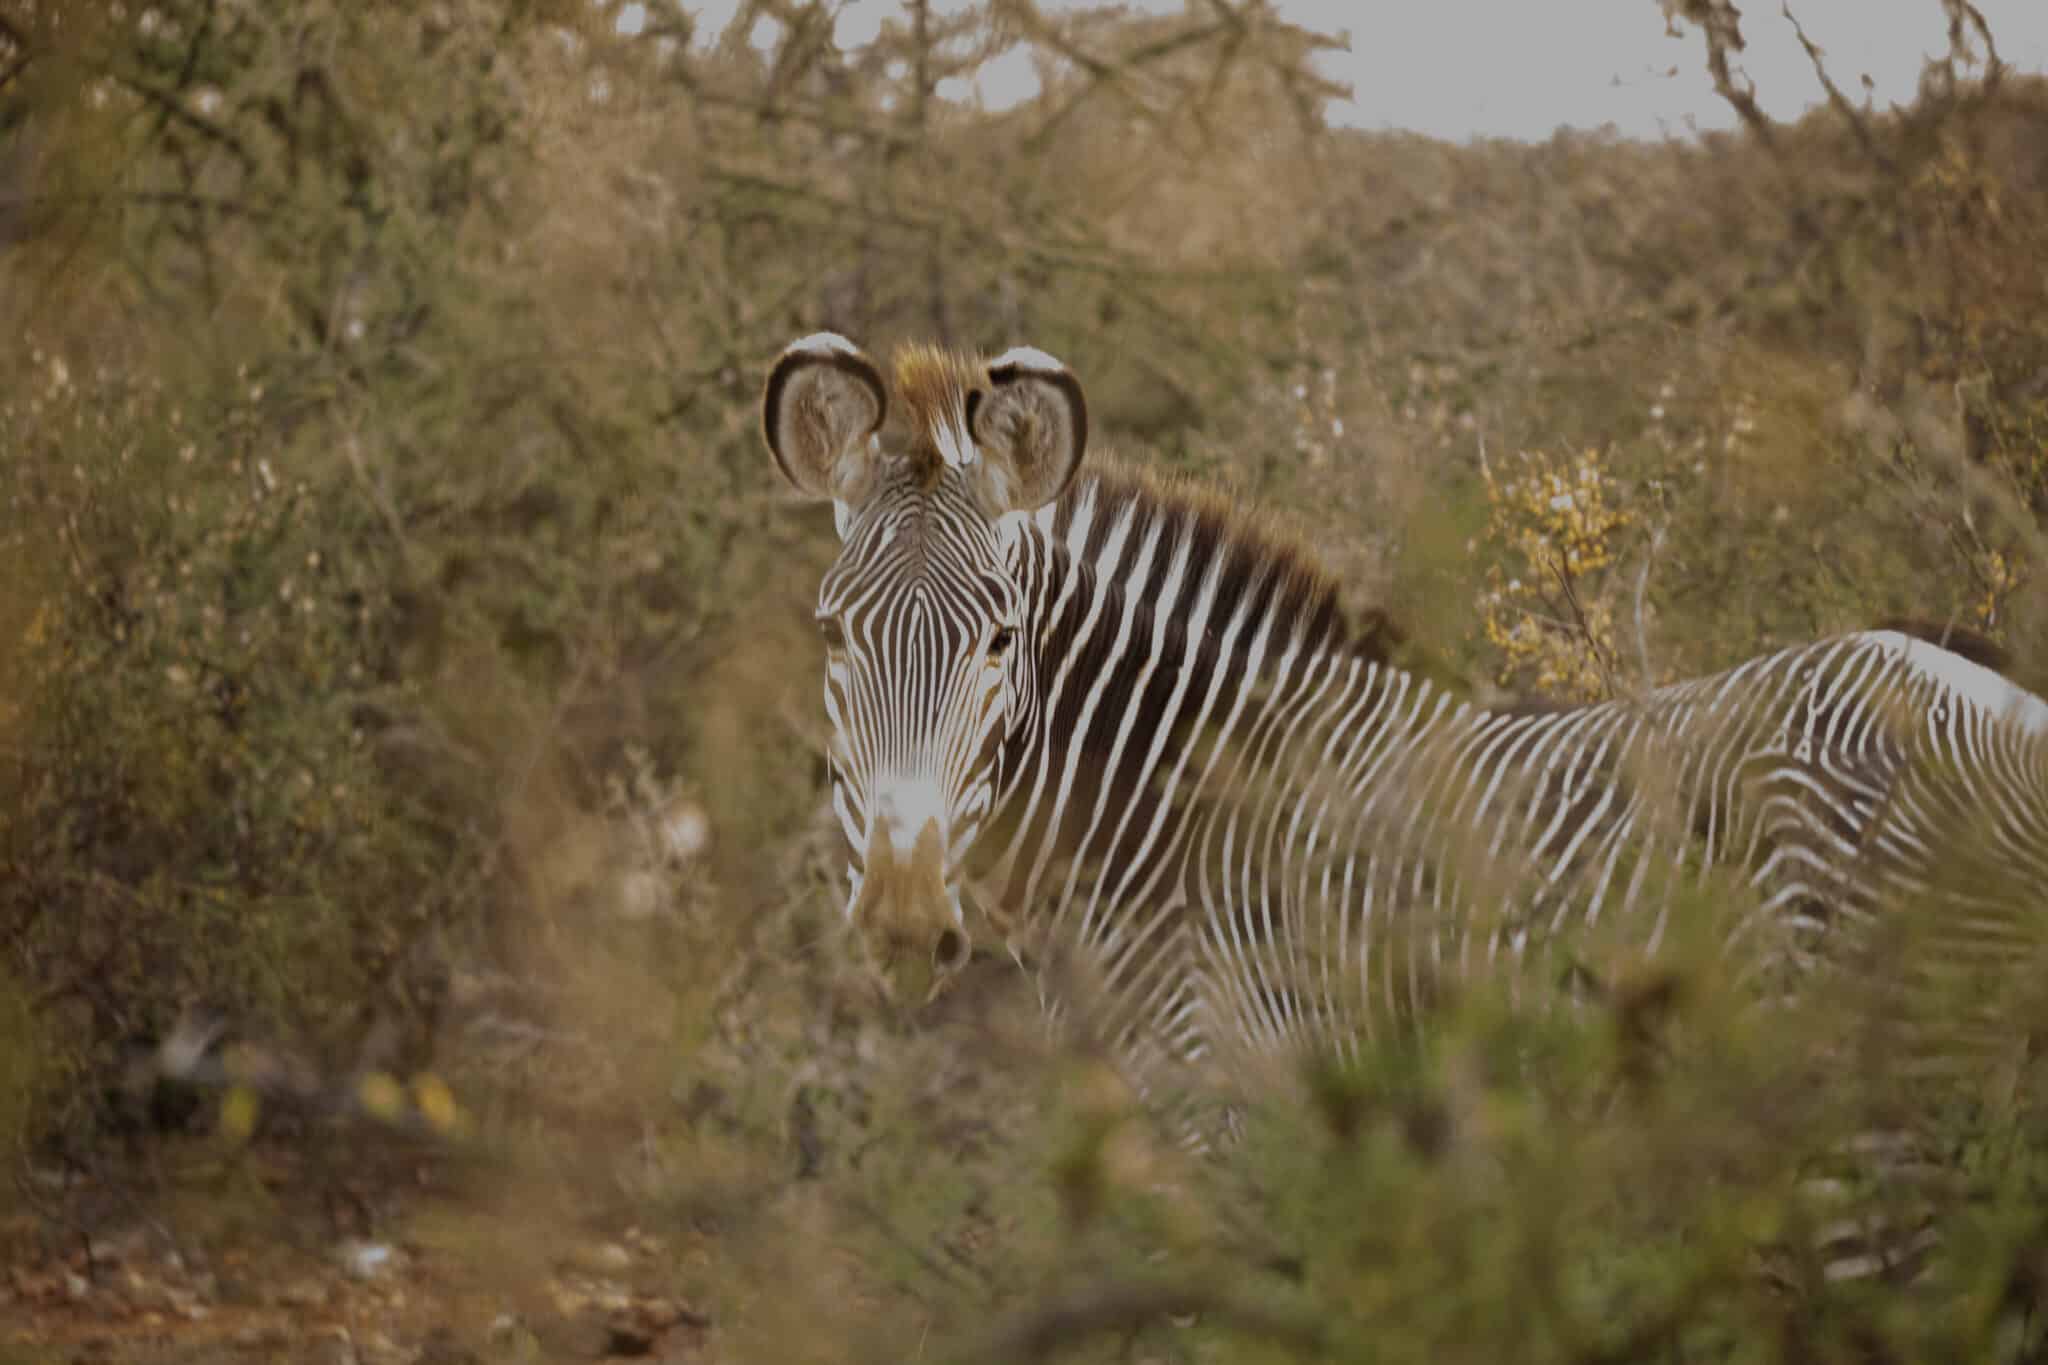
(949,954)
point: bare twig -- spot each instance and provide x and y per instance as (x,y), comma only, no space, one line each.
(1963,17)
(1642,593)
(174,110)
(790,110)
(1721,24)
(1837,101)
(1582,625)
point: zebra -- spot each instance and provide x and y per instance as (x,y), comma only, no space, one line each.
(1120,715)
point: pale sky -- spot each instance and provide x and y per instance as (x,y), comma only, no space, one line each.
(1517,68)
(1458,69)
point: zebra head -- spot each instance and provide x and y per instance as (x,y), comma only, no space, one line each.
(923,614)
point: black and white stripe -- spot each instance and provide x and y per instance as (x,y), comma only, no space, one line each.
(1260,835)
(1266,839)
(911,697)
(1219,777)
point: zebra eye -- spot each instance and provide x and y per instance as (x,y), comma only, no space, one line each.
(834,634)
(999,643)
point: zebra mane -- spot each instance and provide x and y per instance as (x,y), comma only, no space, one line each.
(1249,551)
(1975,646)
(931,390)
(930,381)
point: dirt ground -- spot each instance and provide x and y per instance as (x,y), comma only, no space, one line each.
(272,1256)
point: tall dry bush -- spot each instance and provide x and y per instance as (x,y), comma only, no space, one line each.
(387,400)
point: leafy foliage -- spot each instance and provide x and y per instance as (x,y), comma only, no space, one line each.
(1555,520)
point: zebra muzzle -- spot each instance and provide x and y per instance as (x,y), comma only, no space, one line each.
(908,916)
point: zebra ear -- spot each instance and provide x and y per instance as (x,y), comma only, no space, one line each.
(823,404)
(1031,430)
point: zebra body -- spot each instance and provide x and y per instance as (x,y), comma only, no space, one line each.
(1304,845)
(1138,728)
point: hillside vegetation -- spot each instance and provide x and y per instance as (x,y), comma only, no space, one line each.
(405,655)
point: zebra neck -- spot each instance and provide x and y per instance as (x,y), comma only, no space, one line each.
(1162,653)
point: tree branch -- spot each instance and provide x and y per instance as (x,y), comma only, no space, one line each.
(1721,24)
(1836,99)
(1963,15)
(1582,626)
(174,109)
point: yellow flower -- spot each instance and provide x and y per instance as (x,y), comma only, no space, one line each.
(1556,523)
